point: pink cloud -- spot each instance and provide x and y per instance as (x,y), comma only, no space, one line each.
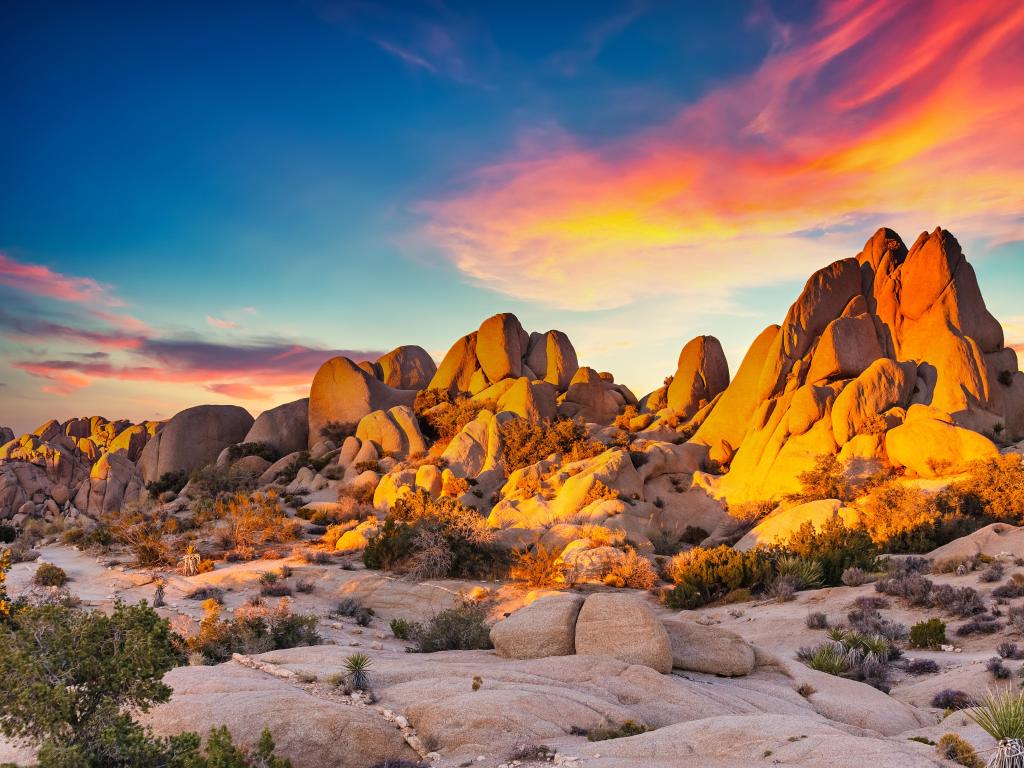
(912,109)
(218,322)
(43,281)
(238,390)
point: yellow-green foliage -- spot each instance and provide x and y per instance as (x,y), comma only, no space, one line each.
(835,546)
(539,566)
(446,419)
(600,492)
(633,571)
(704,575)
(955,748)
(526,444)
(629,413)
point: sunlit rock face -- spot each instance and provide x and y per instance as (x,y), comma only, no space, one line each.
(870,337)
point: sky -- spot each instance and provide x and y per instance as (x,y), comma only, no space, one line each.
(200,202)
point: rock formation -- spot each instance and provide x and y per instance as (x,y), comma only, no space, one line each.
(284,428)
(193,438)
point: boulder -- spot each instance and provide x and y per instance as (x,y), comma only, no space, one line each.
(407,367)
(533,400)
(192,439)
(623,627)
(884,385)
(130,442)
(501,344)
(395,431)
(932,448)
(284,428)
(545,627)
(708,649)
(591,398)
(781,524)
(6,435)
(344,393)
(456,370)
(701,374)
(847,346)
(112,480)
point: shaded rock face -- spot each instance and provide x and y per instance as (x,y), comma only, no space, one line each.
(6,435)
(868,338)
(545,627)
(406,367)
(345,393)
(499,350)
(284,428)
(193,438)
(622,627)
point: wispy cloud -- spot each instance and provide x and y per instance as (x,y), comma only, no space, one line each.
(218,322)
(40,280)
(916,110)
(569,62)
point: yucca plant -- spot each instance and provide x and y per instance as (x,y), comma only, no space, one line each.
(357,671)
(830,658)
(190,561)
(1001,716)
(804,571)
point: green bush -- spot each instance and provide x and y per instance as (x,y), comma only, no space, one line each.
(627,729)
(241,450)
(526,443)
(49,575)
(827,480)
(168,481)
(401,628)
(434,538)
(252,629)
(835,547)
(704,575)
(928,634)
(462,628)
(443,416)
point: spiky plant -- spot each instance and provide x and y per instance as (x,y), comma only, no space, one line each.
(1001,716)
(805,572)
(357,671)
(830,658)
(190,561)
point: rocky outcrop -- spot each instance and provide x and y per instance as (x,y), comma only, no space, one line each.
(499,350)
(112,480)
(708,649)
(284,428)
(344,393)
(395,431)
(594,397)
(407,367)
(868,338)
(6,435)
(192,439)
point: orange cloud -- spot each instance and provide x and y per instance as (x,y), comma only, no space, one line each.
(907,114)
(43,281)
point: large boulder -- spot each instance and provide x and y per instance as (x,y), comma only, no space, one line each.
(623,627)
(533,400)
(112,480)
(501,344)
(407,367)
(284,428)
(929,447)
(708,649)
(458,366)
(395,431)
(701,375)
(884,385)
(783,523)
(592,398)
(545,627)
(130,441)
(6,435)
(343,392)
(192,439)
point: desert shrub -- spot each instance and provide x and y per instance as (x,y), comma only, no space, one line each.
(816,620)
(8,533)
(241,450)
(870,623)
(353,609)
(750,512)
(979,625)
(782,589)
(851,656)
(898,518)
(992,574)
(442,536)
(1008,651)
(622,420)
(826,480)
(71,679)
(247,521)
(949,698)
(526,444)
(446,418)
(401,628)
(222,753)
(870,603)
(1015,618)
(955,748)
(928,634)
(921,667)
(915,589)
(168,481)
(704,575)
(997,668)
(214,481)
(805,573)
(462,628)
(909,565)
(206,593)
(835,546)
(960,601)
(855,577)
(253,629)
(628,728)
(599,492)
(49,575)
(6,605)
(633,571)
(539,566)
(357,671)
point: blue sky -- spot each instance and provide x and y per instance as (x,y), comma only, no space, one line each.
(241,179)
